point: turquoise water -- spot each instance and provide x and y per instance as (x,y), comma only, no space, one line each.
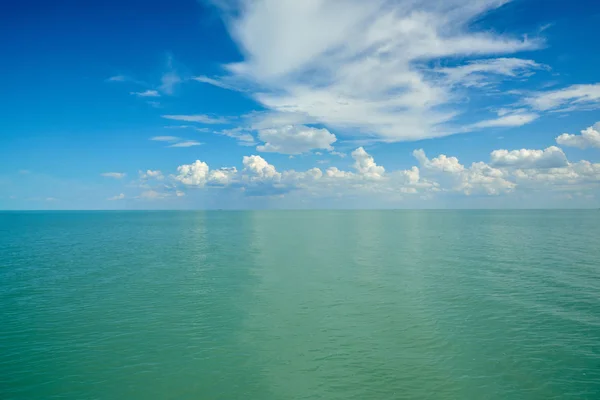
(300,305)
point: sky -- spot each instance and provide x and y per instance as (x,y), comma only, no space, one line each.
(240,104)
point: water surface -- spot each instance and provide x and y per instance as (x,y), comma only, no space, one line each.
(300,305)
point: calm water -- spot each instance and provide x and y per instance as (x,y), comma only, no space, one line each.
(300,305)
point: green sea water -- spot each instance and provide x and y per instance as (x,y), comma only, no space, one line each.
(300,305)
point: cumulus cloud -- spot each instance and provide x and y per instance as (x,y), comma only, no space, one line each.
(577,175)
(365,165)
(257,168)
(589,137)
(362,66)
(115,175)
(222,176)
(195,174)
(478,178)
(508,171)
(442,163)
(150,174)
(297,139)
(552,157)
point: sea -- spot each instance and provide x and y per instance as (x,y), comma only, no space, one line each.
(278,305)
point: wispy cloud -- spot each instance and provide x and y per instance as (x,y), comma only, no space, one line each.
(165,138)
(117,197)
(186,143)
(154,104)
(146,93)
(169,81)
(480,73)
(199,118)
(215,82)
(242,135)
(115,175)
(176,141)
(368,67)
(571,98)
(506,121)
(117,78)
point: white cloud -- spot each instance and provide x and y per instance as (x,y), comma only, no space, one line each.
(552,157)
(116,175)
(117,78)
(179,193)
(570,98)
(222,176)
(200,118)
(214,82)
(506,121)
(153,195)
(365,164)
(150,174)
(480,178)
(442,163)
(240,134)
(165,138)
(574,176)
(257,168)
(362,64)
(117,197)
(176,141)
(146,93)
(292,139)
(589,137)
(195,174)
(525,171)
(477,73)
(186,143)
(169,81)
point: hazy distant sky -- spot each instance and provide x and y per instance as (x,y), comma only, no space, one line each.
(299,104)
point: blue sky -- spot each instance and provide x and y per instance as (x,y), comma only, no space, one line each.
(287,104)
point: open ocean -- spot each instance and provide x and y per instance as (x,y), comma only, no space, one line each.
(300,305)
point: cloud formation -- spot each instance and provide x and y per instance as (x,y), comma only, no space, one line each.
(552,157)
(176,141)
(199,118)
(115,175)
(146,93)
(574,97)
(589,137)
(117,197)
(364,65)
(297,139)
